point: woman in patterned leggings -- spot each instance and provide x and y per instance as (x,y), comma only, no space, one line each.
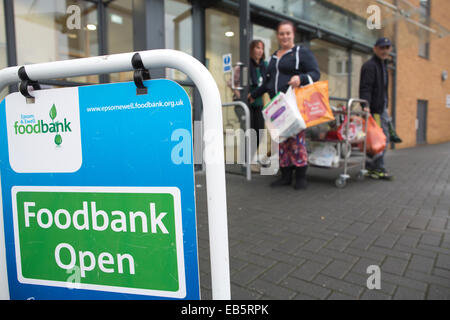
(290,65)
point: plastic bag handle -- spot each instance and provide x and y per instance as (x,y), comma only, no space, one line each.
(310,81)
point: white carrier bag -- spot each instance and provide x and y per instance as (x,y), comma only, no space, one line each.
(282,117)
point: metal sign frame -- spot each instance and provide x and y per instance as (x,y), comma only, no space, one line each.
(248,151)
(212,136)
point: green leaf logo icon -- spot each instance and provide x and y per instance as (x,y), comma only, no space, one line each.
(52,112)
(58,139)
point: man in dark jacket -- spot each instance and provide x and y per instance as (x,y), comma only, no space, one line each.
(373,87)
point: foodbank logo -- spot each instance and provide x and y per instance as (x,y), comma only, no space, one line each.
(28,124)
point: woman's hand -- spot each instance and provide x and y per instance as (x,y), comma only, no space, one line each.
(295,81)
(250,98)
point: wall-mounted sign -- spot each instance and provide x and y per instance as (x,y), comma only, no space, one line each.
(226,59)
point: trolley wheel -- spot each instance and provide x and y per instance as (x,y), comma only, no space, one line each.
(341,182)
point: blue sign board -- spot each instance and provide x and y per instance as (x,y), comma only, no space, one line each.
(226,62)
(98,193)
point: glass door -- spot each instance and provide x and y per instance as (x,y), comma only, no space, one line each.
(178,31)
(222,37)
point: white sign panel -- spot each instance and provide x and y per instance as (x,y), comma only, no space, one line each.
(44,136)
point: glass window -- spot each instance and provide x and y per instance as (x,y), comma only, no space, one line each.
(318,12)
(46,32)
(347,18)
(364,34)
(322,14)
(424,34)
(178,31)
(358,59)
(333,65)
(268,36)
(286,7)
(119,20)
(279,6)
(222,37)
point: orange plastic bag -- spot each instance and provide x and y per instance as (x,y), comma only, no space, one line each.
(376,139)
(313,103)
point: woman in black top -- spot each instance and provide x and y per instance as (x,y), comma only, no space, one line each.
(257,77)
(289,66)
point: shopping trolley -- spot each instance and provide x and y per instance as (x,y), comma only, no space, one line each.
(349,153)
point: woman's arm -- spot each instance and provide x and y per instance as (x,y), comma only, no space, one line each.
(260,90)
(268,72)
(308,66)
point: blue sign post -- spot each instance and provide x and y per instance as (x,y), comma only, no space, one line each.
(98,193)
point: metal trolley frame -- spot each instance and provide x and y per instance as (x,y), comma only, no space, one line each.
(344,147)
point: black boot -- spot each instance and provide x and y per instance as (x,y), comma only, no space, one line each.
(286,177)
(300,178)
(393,134)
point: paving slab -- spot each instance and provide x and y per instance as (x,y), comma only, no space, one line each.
(317,243)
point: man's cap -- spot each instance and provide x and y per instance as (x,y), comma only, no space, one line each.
(383,42)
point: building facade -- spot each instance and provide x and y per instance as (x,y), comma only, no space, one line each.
(33,31)
(423,59)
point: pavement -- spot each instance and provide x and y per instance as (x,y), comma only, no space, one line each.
(318,243)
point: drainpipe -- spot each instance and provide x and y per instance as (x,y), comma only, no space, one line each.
(394,77)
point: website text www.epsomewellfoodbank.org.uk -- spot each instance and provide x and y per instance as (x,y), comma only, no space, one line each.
(135,105)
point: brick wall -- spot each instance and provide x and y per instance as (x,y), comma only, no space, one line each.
(420,79)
